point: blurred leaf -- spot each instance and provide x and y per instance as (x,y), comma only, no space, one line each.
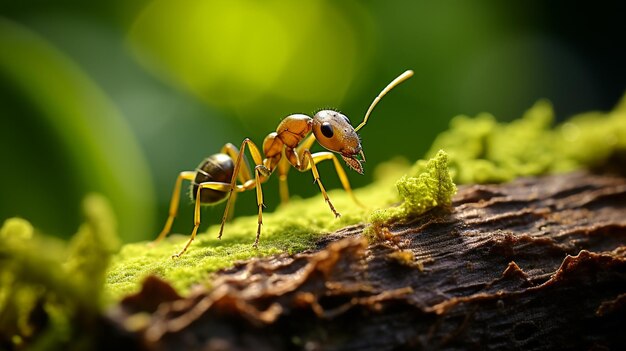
(240,53)
(103,154)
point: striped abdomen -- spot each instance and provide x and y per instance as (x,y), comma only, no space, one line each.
(215,168)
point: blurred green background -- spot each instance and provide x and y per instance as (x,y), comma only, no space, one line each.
(119,96)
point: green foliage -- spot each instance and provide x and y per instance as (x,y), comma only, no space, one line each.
(50,293)
(426,186)
(90,146)
(483,150)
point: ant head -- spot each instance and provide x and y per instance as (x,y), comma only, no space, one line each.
(334,132)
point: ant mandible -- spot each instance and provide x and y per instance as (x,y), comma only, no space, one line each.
(215,179)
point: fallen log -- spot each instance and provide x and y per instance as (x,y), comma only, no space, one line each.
(538,263)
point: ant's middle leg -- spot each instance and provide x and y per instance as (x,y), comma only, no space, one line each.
(223,187)
(261,174)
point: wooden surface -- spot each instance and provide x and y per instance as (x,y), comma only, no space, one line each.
(539,263)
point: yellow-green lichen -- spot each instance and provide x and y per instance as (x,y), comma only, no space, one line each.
(483,150)
(426,186)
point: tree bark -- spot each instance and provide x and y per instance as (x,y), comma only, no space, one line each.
(538,263)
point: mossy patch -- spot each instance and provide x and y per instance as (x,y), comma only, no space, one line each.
(50,291)
(482,150)
(291,228)
(426,186)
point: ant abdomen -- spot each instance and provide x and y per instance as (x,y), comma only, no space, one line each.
(215,168)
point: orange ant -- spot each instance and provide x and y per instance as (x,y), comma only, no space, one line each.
(215,179)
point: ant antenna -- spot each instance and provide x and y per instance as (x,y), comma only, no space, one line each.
(401,78)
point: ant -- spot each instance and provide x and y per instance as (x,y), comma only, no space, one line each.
(216,177)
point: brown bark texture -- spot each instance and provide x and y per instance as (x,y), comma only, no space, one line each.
(538,263)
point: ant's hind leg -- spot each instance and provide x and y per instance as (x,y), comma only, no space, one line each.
(186,175)
(223,187)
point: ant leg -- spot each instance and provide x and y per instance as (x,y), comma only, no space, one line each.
(325,155)
(283,186)
(306,144)
(196,214)
(186,175)
(259,201)
(231,210)
(232,151)
(256,183)
(260,170)
(244,175)
(311,164)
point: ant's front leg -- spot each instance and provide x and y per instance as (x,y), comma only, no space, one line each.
(309,162)
(345,182)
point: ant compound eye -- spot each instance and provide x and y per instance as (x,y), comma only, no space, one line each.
(327,130)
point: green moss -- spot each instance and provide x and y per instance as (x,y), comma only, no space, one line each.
(425,187)
(57,283)
(293,227)
(483,150)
